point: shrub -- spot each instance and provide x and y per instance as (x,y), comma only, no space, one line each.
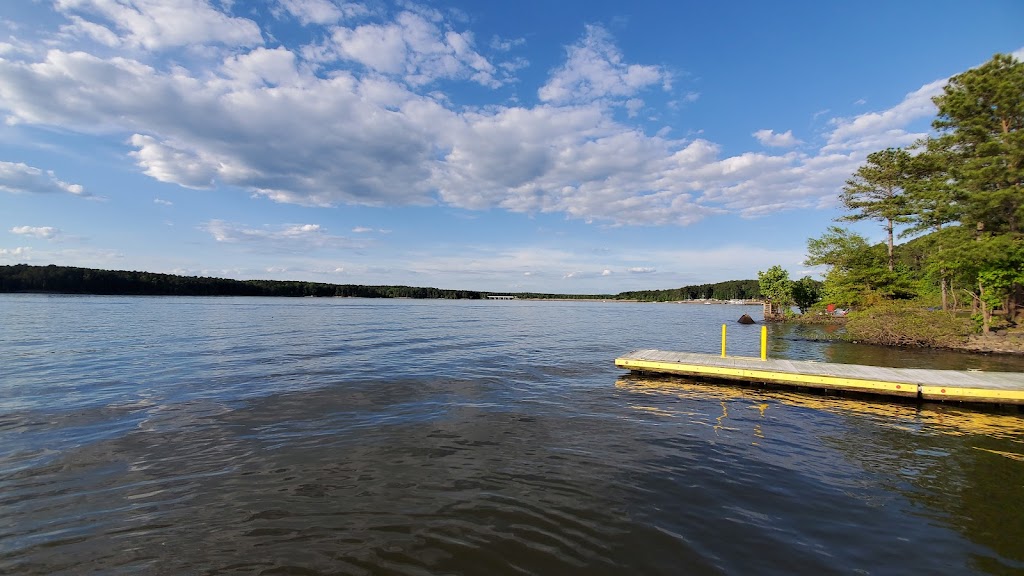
(906,324)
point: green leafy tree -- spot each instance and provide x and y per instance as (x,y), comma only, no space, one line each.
(990,268)
(857,272)
(876,192)
(806,293)
(776,286)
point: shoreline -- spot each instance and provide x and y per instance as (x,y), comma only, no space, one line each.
(1005,342)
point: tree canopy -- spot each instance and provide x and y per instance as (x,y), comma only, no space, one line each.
(960,194)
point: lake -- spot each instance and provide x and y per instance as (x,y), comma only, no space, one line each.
(165,435)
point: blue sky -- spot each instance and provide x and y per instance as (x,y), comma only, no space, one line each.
(570,146)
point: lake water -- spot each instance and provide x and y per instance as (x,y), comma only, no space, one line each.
(344,436)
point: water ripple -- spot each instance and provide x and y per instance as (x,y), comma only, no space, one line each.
(256,436)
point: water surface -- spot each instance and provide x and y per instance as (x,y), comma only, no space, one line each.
(325,436)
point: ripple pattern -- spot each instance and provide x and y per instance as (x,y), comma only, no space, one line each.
(343,436)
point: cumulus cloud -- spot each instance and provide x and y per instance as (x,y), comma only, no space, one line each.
(83,28)
(47,232)
(413,48)
(18,254)
(157,24)
(595,70)
(320,11)
(17,177)
(359,119)
(770,138)
(877,130)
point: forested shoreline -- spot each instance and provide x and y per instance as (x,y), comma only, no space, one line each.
(21,278)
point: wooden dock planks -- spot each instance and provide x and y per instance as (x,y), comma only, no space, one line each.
(960,385)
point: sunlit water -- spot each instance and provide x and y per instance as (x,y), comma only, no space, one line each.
(345,436)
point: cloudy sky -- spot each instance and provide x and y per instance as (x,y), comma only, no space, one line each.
(577,146)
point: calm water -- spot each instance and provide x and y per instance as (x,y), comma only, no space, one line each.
(336,436)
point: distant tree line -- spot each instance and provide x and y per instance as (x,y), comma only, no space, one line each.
(729,290)
(71,280)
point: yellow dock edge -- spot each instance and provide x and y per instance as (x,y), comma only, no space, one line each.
(980,395)
(986,395)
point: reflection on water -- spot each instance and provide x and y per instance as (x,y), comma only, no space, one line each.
(958,464)
(327,436)
(931,418)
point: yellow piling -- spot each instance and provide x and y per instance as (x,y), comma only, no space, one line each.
(764,343)
(723,340)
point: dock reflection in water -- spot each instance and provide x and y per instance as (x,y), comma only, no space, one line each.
(949,461)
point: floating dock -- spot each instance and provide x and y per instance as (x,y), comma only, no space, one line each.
(941,385)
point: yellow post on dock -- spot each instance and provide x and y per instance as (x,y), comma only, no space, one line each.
(723,340)
(764,343)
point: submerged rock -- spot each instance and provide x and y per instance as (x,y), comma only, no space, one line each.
(746,319)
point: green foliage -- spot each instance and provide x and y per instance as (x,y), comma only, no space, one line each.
(961,193)
(729,290)
(981,117)
(70,280)
(858,274)
(806,293)
(906,324)
(876,191)
(934,198)
(776,286)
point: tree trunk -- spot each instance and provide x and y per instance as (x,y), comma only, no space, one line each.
(986,314)
(888,230)
(945,305)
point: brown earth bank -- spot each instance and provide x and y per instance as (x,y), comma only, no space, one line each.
(1009,341)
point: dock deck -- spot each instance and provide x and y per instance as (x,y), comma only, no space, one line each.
(957,385)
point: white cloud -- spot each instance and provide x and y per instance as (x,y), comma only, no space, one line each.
(320,11)
(261,120)
(506,44)
(413,48)
(84,29)
(17,177)
(595,70)
(770,138)
(634,106)
(162,202)
(20,251)
(641,270)
(606,272)
(361,230)
(158,24)
(47,232)
(876,130)
(286,238)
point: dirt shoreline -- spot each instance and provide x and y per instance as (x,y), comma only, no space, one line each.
(1000,343)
